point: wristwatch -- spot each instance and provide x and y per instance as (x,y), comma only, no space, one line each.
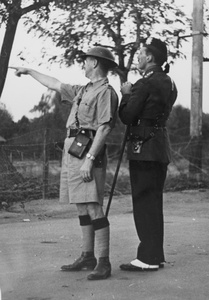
(89,156)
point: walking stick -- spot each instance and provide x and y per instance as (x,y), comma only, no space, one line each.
(116,172)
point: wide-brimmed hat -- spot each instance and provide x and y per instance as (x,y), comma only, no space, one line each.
(103,53)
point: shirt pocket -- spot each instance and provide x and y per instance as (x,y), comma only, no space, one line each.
(87,112)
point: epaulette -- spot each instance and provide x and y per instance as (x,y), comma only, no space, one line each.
(173,84)
(148,74)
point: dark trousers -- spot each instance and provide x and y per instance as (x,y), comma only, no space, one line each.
(147,182)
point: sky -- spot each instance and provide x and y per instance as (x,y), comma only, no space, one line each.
(20,94)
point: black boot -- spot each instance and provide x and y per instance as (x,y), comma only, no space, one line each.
(102,270)
(87,261)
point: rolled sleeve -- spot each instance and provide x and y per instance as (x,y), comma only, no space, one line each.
(107,107)
(68,92)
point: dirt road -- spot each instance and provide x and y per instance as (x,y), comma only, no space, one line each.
(40,237)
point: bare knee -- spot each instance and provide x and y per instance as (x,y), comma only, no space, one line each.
(95,211)
(82,209)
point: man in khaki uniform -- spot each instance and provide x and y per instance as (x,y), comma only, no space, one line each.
(93,112)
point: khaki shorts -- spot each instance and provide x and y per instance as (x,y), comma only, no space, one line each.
(72,187)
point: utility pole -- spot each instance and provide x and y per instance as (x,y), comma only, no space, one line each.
(195,167)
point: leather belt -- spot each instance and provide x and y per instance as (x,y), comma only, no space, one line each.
(151,123)
(72,132)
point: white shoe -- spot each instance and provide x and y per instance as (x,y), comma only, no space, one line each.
(139,264)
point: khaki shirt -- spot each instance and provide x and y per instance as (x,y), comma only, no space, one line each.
(95,104)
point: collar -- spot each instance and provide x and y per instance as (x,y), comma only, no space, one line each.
(98,83)
(151,70)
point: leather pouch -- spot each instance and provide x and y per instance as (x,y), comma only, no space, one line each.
(80,145)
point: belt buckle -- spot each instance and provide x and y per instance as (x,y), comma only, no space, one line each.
(83,131)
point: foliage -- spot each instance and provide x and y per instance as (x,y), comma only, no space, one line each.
(182,182)
(7,124)
(205,126)
(179,132)
(27,131)
(178,125)
(28,189)
(22,126)
(28,136)
(118,25)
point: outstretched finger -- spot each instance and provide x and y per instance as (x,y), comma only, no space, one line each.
(12,67)
(18,71)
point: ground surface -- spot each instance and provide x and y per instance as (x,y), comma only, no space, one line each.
(36,239)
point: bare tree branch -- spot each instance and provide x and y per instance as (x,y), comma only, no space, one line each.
(108,27)
(35,6)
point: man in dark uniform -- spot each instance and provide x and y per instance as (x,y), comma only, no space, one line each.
(145,108)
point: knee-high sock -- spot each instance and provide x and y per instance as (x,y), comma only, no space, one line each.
(87,233)
(102,236)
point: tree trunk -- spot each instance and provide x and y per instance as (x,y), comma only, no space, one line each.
(7,47)
(123,75)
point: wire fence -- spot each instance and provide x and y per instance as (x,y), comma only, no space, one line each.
(30,166)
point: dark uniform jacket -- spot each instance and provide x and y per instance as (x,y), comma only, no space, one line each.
(146,110)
